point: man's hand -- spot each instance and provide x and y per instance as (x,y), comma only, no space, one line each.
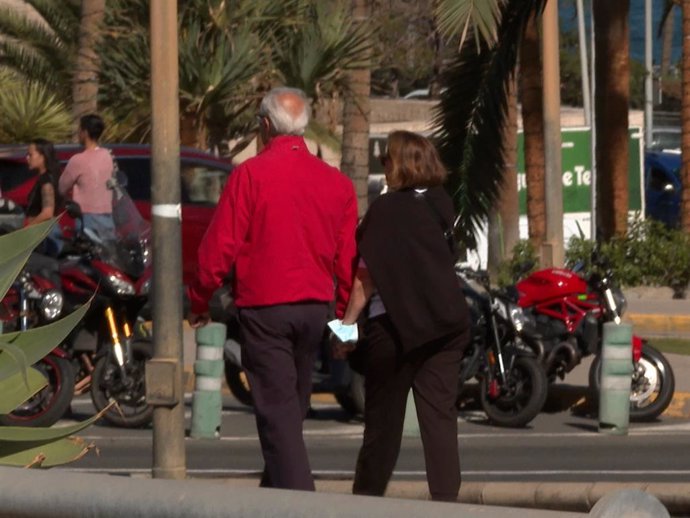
(198,320)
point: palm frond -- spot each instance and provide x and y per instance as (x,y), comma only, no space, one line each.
(470,117)
(463,17)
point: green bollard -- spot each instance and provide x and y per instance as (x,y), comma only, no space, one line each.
(616,374)
(207,404)
(411,424)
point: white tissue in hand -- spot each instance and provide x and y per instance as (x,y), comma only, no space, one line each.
(344,332)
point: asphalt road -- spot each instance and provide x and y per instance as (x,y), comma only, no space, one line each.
(558,447)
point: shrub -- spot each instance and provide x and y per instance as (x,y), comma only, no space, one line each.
(650,254)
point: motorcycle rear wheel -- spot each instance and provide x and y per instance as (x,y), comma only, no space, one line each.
(652,389)
(131,409)
(51,403)
(238,383)
(352,398)
(522,400)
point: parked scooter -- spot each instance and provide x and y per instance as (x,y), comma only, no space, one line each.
(328,376)
(568,311)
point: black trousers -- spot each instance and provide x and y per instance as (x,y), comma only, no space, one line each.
(432,372)
(279,344)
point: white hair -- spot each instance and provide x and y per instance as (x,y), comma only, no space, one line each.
(283,122)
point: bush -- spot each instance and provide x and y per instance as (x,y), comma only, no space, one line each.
(523,261)
(650,254)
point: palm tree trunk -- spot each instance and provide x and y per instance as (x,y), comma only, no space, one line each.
(685,118)
(533,128)
(667,43)
(504,223)
(611,106)
(355,150)
(85,79)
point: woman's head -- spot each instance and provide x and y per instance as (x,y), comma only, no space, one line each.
(41,157)
(412,161)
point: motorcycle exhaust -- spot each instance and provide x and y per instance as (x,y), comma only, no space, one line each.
(566,351)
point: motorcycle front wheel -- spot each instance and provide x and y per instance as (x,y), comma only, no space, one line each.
(47,406)
(520,399)
(653,384)
(238,383)
(130,409)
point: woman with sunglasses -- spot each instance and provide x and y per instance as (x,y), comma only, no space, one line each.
(418,321)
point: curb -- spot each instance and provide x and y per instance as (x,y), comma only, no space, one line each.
(558,496)
(660,325)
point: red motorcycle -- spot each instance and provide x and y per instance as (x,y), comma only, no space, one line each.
(109,347)
(569,311)
(35,300)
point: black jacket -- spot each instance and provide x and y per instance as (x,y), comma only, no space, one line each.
(402,243)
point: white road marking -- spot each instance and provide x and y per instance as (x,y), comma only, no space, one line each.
(402,473)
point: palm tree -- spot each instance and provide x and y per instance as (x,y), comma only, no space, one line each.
(87,64)
(355,150)
(685,118)
(471,115)
(611,105)
(533,131)
(42,48)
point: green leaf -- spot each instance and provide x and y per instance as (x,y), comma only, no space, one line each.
(19,358)
(43,455)
(25,434)
(15,390)
(39,341)
(15,249)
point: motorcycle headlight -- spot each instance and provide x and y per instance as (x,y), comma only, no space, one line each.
(620,301)
(50,305)
(120,286)
(518,317)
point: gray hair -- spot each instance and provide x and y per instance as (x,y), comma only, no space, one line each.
(283,122)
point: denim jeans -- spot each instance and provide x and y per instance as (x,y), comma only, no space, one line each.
(102,224)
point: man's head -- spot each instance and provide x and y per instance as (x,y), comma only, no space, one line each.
(283,111)
(91,127)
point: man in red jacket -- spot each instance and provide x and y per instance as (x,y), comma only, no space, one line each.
(286,223)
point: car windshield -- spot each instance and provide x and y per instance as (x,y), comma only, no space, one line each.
(665,140)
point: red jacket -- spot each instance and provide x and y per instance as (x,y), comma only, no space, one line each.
(286,222)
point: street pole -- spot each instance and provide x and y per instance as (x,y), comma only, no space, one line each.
(582,35)
(593,131)
(552,250)
(164,373)
(649,74)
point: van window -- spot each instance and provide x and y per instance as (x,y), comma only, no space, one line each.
(138,172)
(202,184)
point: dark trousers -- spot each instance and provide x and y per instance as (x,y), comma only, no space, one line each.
(279,344)
(432,372)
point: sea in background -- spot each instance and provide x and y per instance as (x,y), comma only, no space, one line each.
(568,21)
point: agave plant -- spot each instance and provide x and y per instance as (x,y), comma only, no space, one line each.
(20,446)
(29,110)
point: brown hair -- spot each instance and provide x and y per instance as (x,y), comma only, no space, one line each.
(414,162)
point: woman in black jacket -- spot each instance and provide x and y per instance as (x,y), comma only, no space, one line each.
(44,199)
(418,323)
